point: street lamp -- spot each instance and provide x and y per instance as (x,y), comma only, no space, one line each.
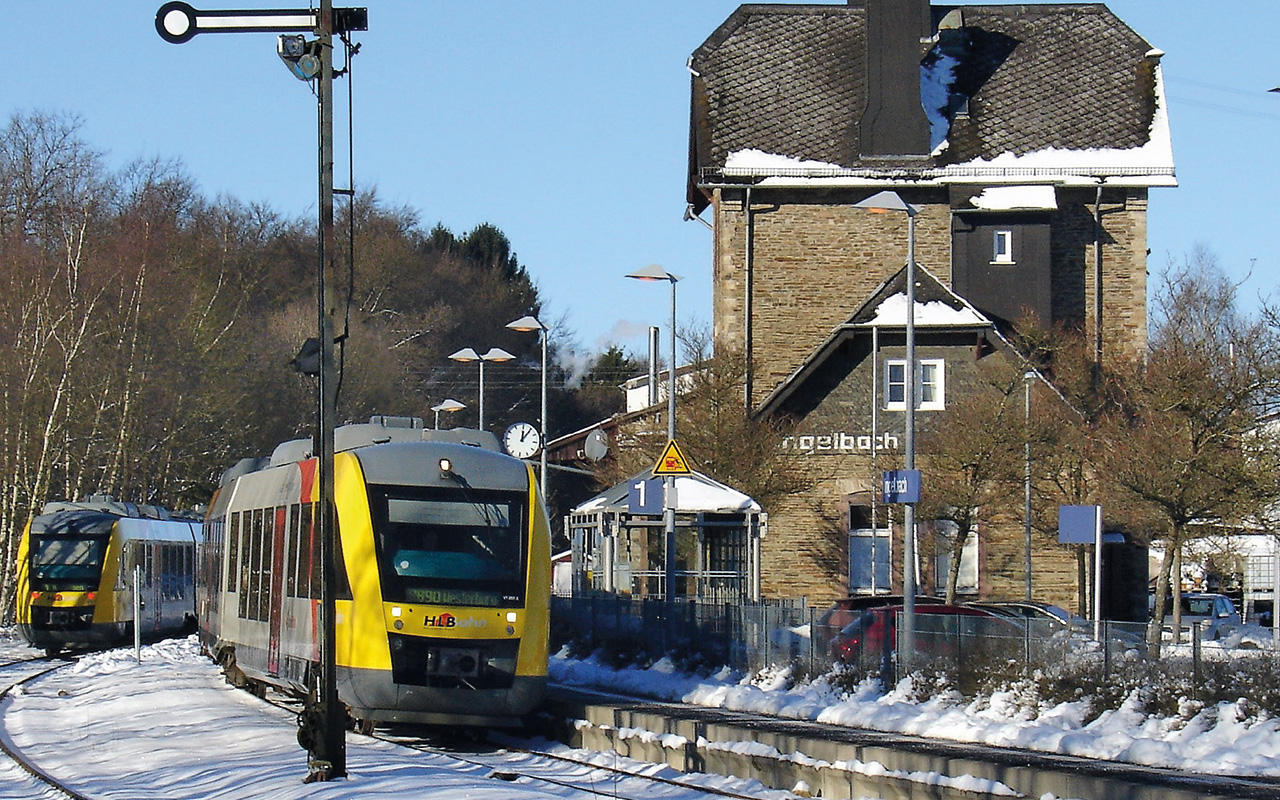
(448,406)
(528,324)
(1027,378)
(653,272)
(467,354)
(883,203)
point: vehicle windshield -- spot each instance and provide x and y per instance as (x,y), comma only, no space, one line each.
(67,563)
(450,547)
(1197,606)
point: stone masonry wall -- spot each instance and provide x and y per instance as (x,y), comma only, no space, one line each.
(815,259)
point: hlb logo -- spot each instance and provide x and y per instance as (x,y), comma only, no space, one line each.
(441,621)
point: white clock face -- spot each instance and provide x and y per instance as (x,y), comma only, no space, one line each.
(521,440)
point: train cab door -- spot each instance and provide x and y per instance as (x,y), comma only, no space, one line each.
(275,600)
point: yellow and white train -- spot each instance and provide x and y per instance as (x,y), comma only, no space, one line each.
(80,564)
(443,574)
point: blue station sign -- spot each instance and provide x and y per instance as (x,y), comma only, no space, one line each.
(901,486)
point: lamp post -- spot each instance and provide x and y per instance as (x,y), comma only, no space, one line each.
(653,272)
(528,324)
(883,203)
(468,354)
(448,406)
(1027,378)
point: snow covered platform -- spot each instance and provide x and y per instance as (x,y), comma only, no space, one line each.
(840,762)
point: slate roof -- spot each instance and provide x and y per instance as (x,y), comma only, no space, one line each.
(791,80)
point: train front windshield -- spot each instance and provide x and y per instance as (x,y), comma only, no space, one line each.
(448,548)
(67,552)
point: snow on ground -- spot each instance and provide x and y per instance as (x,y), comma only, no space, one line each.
(1221,739)
(170,727)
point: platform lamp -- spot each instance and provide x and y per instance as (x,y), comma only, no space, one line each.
(653,272)
(468,354)
(883,203)
(528,324)
(447,406)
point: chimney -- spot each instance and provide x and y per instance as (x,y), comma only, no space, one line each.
(894,123)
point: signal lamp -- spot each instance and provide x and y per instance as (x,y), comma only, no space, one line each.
(300,56)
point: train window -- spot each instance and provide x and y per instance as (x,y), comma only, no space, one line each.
(317,578)
(260,539)
(342,582)
(291,543)
(439,546)
(233,553)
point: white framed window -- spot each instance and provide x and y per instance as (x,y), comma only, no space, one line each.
(869,559)
(967,583)
(1002,247)
(931,386)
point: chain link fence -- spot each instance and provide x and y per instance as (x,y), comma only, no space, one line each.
(973,651)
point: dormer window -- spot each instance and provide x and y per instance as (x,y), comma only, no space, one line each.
(1002,247)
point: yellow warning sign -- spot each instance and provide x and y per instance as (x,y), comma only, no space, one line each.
(672,461)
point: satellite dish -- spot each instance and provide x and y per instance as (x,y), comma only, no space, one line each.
(597,445)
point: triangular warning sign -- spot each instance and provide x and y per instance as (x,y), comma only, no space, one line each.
(672,461)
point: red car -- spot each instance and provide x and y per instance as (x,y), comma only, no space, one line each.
(848,609)
(873,635)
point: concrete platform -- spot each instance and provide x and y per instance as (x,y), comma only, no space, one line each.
(838,762)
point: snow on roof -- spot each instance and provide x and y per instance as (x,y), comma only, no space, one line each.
(752,159)
(935,313)
(1016,198)
(694,493)
(936,79)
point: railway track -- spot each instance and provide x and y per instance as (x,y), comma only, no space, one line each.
(625,779)
(14,672)
(613,781)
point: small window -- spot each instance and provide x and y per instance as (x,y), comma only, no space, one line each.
(930,384)
(1002,247)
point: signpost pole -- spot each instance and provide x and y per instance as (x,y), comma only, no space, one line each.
(1097,573)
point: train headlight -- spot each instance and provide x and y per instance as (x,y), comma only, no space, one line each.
(511,616)
(446,466)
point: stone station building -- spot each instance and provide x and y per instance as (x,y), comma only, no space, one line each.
(1028,136)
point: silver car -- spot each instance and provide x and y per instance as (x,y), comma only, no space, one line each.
(1215,614)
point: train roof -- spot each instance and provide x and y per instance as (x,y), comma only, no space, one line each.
(106,504)
(84,519)
(378,430)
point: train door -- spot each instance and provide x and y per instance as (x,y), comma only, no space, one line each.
(275,600)
(146,586)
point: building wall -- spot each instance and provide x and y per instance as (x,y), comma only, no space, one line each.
(835,445)
(1124,266)
(814,259)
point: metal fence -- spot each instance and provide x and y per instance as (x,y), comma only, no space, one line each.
(972,651)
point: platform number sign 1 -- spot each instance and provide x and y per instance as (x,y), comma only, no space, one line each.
(645,497)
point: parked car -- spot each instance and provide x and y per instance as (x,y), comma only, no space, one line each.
(848,609)
(873,635)
(1215,613)
(1030,610)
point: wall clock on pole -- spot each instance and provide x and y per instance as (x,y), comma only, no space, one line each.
(521,440)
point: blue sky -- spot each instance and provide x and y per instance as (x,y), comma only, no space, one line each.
(565,123)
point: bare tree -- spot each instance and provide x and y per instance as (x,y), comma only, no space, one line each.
(1180,438)
(973,470)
